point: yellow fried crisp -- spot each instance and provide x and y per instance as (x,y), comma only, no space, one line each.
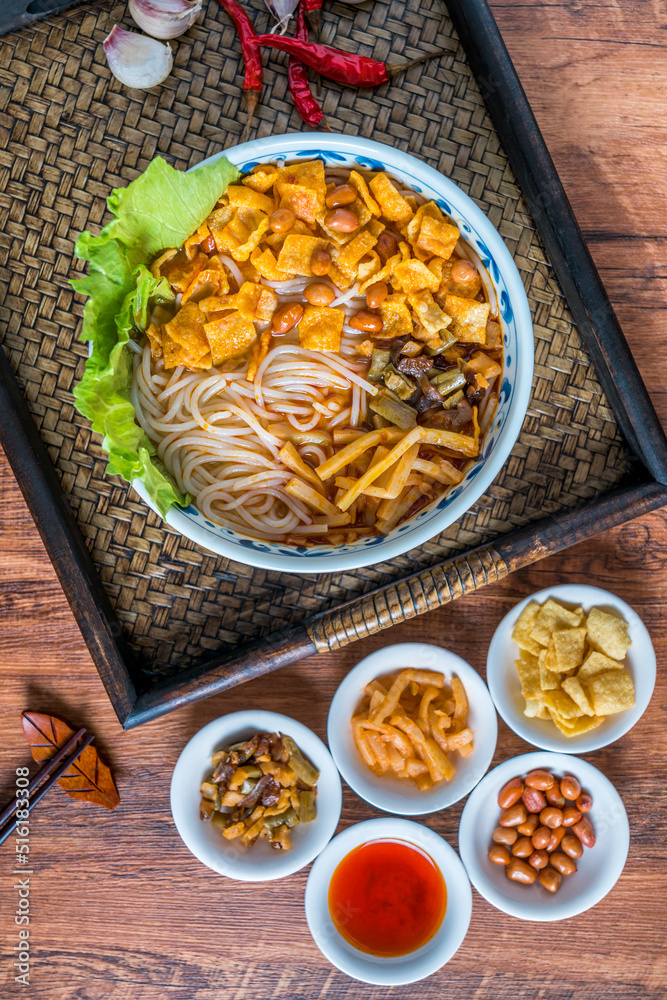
(396,318)
(561,703)
(296,253)
(241,196)
(437,237)
(265,263)
(553,616)
(578,726)
(469,318)
(608,633)
(428,312)
(255,301)
(187,329)
(154,335)
(241,234)
(611,692)
(525,624)
(596,663)
(577,693)
(368,266)
(302,187)
(393,206)
(180,271)
(262,179)
(210,281)
(569,645)
(321,328)
(347,257)
(357,181)
(384,274)
(528,669)
(549,680)
(413,276)
(192,244)
(229,336)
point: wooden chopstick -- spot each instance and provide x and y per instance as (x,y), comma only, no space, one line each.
(51,775)
(44,772)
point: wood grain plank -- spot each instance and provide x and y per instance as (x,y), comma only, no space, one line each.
(121,910)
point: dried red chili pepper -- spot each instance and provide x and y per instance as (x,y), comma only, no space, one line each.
(254,78)
(344,67)
(314,15)
(299,85)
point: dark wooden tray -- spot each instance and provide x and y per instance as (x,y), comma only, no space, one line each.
(620,468)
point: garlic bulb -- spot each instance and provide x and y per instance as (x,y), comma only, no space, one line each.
(165,18)
(135,60)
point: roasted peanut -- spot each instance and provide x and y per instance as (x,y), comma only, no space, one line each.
(528,828)
(570,787)
(510,793)
(366,321)
(551,817)
(463,271)
(319,294)
(513,815)
(540,779)
(571,845)
(281,220)
(519,871)
(584,802)
(385,247)
(541,837)
(534,800)
(506,835)
(554,797)
(499,855)
(208,244)
(584,831)
(523,848)
(550,879)
(538,859)
(376,294)
(286,317)
(344,194)
(341,221)
(320,263)
(563,864)
(556,838)
(570,816)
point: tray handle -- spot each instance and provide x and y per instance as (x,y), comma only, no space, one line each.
(431,588)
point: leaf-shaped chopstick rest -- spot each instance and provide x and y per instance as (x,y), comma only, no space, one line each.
(88,778)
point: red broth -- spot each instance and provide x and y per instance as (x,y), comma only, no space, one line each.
(387,897)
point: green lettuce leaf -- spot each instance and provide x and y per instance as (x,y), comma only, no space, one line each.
(160,209)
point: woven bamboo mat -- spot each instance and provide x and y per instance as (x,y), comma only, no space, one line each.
(69,133)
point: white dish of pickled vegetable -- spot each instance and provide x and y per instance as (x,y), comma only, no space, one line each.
(255,795)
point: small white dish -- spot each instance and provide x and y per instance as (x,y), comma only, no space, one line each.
(405,968)
(394,794)
(599,868)
(259,863)
(505,687)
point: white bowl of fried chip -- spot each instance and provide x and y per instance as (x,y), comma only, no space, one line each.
(609,670)
(401,795)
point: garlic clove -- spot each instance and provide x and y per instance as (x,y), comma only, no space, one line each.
(165,18)
(135,60)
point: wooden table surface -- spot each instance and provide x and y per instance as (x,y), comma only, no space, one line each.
(120,909)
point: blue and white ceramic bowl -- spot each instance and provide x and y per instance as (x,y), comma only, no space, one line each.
(482,237)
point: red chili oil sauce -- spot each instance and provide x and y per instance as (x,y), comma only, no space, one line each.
(387,897)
